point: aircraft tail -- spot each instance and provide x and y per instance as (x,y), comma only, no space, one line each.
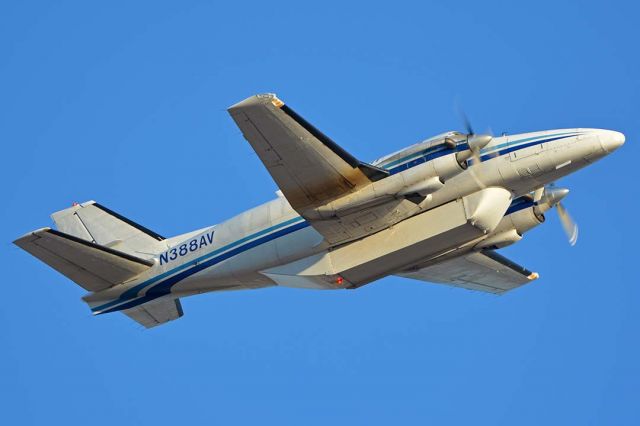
(99,249)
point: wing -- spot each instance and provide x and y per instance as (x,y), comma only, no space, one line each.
(156,312)
(485,271)
(307,165)
(312,170)
(90,265)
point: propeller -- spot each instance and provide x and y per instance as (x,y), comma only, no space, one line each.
(475,141)
(550,196)
(568,224)
(545,197)
(466,122)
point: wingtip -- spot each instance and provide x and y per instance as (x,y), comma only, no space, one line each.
(533,276)
(259,99)
(29,235)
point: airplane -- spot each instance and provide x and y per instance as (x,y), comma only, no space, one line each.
(437,211)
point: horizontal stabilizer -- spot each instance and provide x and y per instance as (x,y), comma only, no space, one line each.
(156,312)
(90,265)
(485,271)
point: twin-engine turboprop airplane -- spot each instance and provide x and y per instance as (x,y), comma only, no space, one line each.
(436,211)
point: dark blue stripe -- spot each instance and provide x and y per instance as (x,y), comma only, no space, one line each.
(516,148)
(132,293)
(520,203)
(163,288)
(442,150)
(428,155)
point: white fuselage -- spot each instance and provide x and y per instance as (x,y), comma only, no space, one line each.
(232,255)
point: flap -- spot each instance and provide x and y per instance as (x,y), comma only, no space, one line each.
(92,266)
(485,271)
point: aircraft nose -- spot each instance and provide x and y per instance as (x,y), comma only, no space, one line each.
(611,140)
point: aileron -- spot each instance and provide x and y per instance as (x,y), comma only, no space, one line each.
(485,271)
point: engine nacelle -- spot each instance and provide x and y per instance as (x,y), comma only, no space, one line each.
(522,220)
(424,179)
(448,166)
(424,188)
(512,227)
(499,240)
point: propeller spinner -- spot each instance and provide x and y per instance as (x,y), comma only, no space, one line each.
(476,142)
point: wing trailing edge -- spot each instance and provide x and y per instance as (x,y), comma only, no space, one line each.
(486,271)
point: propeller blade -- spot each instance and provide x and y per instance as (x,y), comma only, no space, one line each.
(569,226)
(537,195)
(476,143)
(465,121)
(467,124)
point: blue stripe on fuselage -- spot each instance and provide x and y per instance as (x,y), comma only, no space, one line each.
(520,203)
(520,141)
(131,296)
(518,147)
(486,154)
(163,286)
(427,155)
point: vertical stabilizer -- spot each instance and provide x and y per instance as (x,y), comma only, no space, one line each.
(95,223)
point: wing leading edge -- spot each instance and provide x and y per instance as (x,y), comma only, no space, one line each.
(485,271)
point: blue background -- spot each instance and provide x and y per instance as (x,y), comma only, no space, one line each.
(125,104)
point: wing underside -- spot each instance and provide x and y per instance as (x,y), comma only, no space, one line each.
(485,271)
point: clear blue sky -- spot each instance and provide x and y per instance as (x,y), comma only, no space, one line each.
(124,103)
